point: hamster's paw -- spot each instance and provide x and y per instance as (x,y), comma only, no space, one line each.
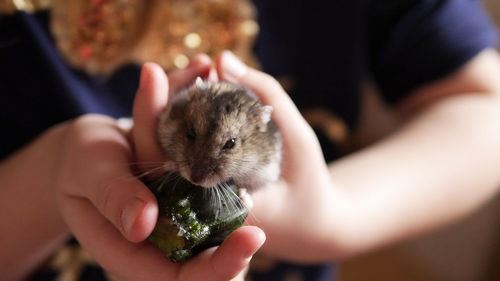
(245,197)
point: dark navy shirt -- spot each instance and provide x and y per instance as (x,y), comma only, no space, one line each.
(327,48)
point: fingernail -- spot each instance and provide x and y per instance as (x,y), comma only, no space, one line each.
(233,67)
(130,214)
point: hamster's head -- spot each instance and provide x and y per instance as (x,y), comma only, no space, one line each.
(212,132)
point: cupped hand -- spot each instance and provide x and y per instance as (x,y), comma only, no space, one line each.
(295,212)
(111,212)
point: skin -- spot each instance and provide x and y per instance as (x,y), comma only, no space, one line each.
(370,198)
(81,183)
(315,212)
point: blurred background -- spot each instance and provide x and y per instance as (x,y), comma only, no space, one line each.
(468,250)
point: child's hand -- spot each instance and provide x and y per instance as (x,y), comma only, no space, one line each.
(388,191)
(111,211)
(294,213)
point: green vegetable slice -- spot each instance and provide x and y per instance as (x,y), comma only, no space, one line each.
(193,218)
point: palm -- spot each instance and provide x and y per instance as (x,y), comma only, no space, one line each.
(230,258)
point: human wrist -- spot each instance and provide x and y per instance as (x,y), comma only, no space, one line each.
(331,221)
(35,226)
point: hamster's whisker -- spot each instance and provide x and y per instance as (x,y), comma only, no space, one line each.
(242,204)
(218,201)
(146,163)
(171,175)
(232,197)
(177,179)
(222,199)
(148,172)
(213,197)
(234,203)
(166,178)
(142,175)
(227,200)
(143,164)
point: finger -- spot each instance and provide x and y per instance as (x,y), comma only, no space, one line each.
(285,113)
(150,100)
(200,65)
(105,155)
(298,136)
(123,259)
(226,261)
(212,75)
(128,204)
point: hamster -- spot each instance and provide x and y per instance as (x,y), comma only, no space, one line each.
(213,132)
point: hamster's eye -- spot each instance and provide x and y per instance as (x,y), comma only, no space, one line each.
(229,143)
(191,134)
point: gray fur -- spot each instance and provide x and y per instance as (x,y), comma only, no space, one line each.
(202,119)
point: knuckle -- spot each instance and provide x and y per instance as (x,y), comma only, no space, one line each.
(265,86)
(90,120)
(269,81)
(82,124)
(107,193)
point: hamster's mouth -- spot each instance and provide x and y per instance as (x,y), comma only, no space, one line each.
(211,181)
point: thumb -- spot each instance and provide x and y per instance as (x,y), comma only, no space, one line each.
(150,99)
(228,261)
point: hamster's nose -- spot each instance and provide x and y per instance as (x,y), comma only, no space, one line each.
(198,173)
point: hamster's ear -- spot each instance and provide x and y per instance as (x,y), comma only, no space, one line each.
(265,114)
(198,85)
(199,82)
(262,116)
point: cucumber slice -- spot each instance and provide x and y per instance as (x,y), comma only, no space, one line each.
(190,220)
